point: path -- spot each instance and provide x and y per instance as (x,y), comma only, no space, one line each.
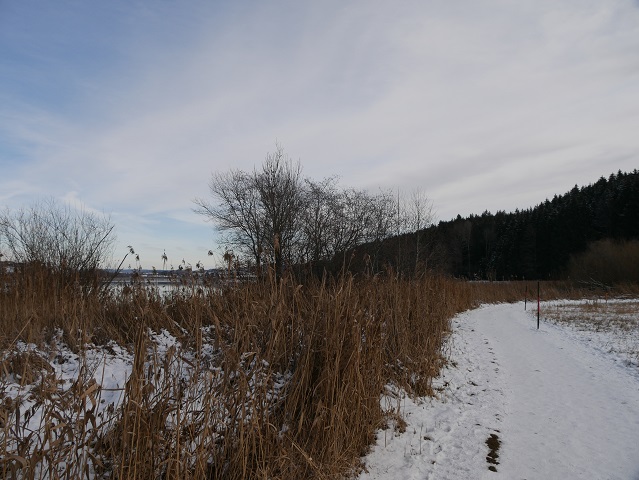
(555,408)
(570,413)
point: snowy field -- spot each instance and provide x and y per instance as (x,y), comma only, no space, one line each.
(561,402)
(609,326)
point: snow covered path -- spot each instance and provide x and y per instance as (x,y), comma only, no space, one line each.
(570,413)
(557,409)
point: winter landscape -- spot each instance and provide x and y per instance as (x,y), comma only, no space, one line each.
(319,240)
(511,401)
(373,356)
(346,335)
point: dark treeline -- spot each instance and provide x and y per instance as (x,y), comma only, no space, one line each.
(537,243)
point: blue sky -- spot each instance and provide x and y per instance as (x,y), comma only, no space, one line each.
(127,107)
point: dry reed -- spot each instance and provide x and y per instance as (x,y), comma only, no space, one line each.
(263,380)
(267,380)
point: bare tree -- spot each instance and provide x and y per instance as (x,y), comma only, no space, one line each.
(72,242)
(274,215)
(418,210)
(353,219)
(320,205)
(382,210)
(279,185)
(237,212)
(418,214)
(259,211)
(336,221)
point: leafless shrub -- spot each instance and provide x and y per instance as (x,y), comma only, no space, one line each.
(607,262)
(71,243)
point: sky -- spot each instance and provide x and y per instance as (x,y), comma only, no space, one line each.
(127,107)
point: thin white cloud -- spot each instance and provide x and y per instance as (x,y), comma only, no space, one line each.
(482,103)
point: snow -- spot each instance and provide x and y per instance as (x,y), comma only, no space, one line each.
(615,323)
(514,402)
(88,388)
(559,406)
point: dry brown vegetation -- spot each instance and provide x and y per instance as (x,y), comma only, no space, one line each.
(268,380)
(597,314)
(610,324)
(607,261)
(615,320)
(265,380)
(517,291)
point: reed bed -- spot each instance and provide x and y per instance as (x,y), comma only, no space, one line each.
(270,379)
(255,380)
(516,291)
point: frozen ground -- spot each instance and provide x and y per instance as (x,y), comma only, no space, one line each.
(515,402)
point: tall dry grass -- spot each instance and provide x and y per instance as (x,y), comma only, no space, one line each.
(267,380)
(516,291)
(607,261)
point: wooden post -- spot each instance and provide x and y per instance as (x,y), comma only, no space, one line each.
(526,298)
(538,306)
